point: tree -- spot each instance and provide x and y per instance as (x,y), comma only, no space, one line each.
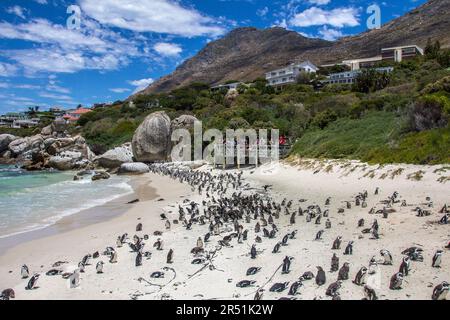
(371,80)
(432,49)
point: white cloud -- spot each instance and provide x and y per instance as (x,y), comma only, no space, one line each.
(141,84)
(319,2)
(262,12)
(339,17)
(17,10)
(4,85)
(167,49)
(119,90)
(55,96)
(330,34)
(27,86)
(7,70)
(161,16)
(41,1)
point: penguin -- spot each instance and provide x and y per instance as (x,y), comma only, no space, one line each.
(337,243)
(81,266)
(333,288)
(369,293)
(396,281)
(360,277)
(24,271)
(334,263)
(319,235)
(440,291)
(376,191)
(308,275)
(95,255)
(206,237)
(119,242)
(113,258)
(245,283)
(343,271)
(405,266)
(32,282)
(294,288)
(7,294)
(320,277)
(157,275)
(349,248)
(139,227)
(279,287)
(167,225)
(74,279)
(328,224)
(99,267)
(386,256)
(360,223)
(276,248)
(285,240)
(292,219)
(158,244)
(252,271)
(170,256)
(258,295)
(437,258)
(138,261)
(86,259)
(199,242)
(286,264)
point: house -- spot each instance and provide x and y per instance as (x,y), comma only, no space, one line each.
(349,77)
(364,63)
(74,115)
(227,86)
(398,54)
(289,74)
(57,111)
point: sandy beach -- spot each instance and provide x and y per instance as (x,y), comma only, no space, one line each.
(310,181)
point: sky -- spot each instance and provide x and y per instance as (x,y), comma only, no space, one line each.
(61,53)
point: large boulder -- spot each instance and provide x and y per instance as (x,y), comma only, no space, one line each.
(47,131)
(183,122)
(5,140)
(114,158)
(100,175)
(133,168)
(69,160)
(59,126)
(26,145)
(151,141)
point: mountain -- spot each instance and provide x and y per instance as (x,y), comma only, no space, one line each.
(247,53)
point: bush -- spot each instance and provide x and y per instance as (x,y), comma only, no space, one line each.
(430,112)
(324,118)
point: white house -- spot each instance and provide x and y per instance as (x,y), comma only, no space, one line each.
(289,74)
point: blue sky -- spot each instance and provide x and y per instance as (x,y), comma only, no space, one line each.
(124,45)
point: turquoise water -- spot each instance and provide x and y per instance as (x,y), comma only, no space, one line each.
(34,200)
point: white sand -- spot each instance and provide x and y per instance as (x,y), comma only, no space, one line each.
(401,230)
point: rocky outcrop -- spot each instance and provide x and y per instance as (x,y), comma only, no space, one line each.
(114,158)
(151,141)
(25,146)
(68,160)
(133,168)
(183,122)
(5,140)
(100,175)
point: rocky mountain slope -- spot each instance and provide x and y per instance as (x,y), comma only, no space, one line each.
(247,53)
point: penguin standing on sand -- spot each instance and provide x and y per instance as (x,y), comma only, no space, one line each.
(119,242)
(320,277)
(405,266)
(343,272)
(158,244)
(440,291)
(32,282)
(170,256)
(24,271)
(369,293)
(349,248)
(386,256)
(253,252)
(334,263)
(286,264)
(333,288)
(113,258)
(138,261)
(167,225)
(74,279)
(437,259)
(337,243)
(7,294)
(360,277)
(199,242)
(99,267)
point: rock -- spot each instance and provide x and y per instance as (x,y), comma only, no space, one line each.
(133,168)
(5,140)
(100,175)
(68,160)
(183,122)
(231,95)
(47,131)
(115,157)
(59,125)
(23,145)
(151,141)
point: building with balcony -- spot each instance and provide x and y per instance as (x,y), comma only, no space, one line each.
(398,54)
(350,77)
(74,115)
(289,74)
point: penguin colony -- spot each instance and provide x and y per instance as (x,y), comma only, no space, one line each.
(232,217)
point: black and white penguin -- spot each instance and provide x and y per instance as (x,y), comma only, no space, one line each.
(158,244)
(319,235)
(119,242)
(334,263)
(74,279)
(405,266)
(369,293)
(258,295)
(24,271)
(320,277)
(253,252)
(170,256)
(81,266)
(344,271)
(113,258)
(360,277)
(293,290)
(386,256)
(437,259)
(440,291)
(167,225)
(99,267)
(139,227)
(86,259)
(199,242)
(286,264)
(396,281)
(328,224)
(252,271)
(337,243)
(245,283)
(349,248)
(333,288)
(32,282)
(138,260)
(279,287)
(276,248)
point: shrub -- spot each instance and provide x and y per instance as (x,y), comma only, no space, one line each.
(430,112)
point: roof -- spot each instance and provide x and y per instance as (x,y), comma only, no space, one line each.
(80,111)
(402,47)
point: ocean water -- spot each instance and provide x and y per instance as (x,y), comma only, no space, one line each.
(34,200)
